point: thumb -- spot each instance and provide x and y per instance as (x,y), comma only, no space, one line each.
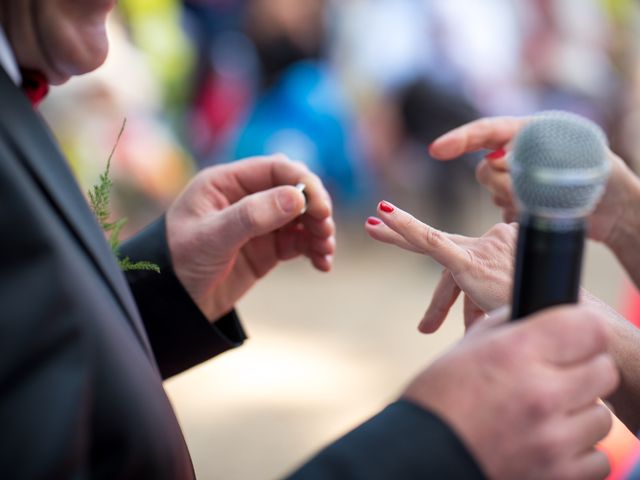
(256,214)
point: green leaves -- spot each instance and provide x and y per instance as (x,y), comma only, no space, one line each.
(99,201)
(126,264)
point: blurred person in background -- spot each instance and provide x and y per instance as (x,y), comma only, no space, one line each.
(300,108)
(264,85)
(84,348)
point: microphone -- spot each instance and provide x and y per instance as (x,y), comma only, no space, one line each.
(559,169)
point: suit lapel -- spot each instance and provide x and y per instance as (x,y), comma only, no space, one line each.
(28,134)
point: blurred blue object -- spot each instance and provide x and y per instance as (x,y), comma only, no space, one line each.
(305,116)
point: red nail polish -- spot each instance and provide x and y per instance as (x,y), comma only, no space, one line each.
(374,221)
(497,155)
(386,207)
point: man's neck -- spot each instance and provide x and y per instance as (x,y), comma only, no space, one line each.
(7,58)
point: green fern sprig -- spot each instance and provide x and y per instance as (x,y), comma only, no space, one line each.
(100,200)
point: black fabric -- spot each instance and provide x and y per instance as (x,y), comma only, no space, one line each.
(177,345)
(80,392)
(404,442)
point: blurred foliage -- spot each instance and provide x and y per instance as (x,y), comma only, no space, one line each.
(155,28)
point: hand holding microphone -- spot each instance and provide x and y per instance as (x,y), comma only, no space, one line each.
(553,238)
(559,169)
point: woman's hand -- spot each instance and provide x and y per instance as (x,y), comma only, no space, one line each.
(497,134)
(233,223)
(480,267)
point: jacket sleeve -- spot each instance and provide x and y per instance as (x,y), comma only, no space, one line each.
(403,441)
(179,333)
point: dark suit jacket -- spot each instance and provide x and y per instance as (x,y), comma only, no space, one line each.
(84,348)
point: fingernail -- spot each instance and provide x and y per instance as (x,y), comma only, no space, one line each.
(286,201)
(386,207)
(374,221)
(497,155)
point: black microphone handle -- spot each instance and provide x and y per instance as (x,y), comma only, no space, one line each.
(548,264)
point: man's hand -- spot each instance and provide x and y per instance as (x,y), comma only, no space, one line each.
(482,267)
(524,396)
(234,223)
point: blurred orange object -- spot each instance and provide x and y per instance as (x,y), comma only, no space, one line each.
(631,305)
(622,448)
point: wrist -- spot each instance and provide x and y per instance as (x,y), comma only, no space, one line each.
(622,238)
(623,340)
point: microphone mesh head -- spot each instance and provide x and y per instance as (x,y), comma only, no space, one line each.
(559,165)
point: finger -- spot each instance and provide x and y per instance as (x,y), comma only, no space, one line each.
(592,465)
(382,233)
(324,228)
(490,133)
(322,246)
(438,245)
(595,378)
(567,335)
(509,215)
(253,175)
(255,215)
(444,296)
(505,203)
(260,257)
(584,429)
(323,263)
(496,181)
(472,313)
(320,261)
(497,160)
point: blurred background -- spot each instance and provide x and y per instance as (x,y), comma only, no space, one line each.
(356,89)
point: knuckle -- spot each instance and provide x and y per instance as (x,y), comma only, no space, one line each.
(600,331)
(603,419)
(501,353)
(280,158)
(246,218)
(499,201)
(609,374)
(507,234)
(502,230)
(314,183)
(510,216)
(595,326)
(539,405)
(431,236)
(540,401)
(483,172)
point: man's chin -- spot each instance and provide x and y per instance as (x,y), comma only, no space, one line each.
(62,74)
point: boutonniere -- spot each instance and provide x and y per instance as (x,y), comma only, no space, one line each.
(99,200)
